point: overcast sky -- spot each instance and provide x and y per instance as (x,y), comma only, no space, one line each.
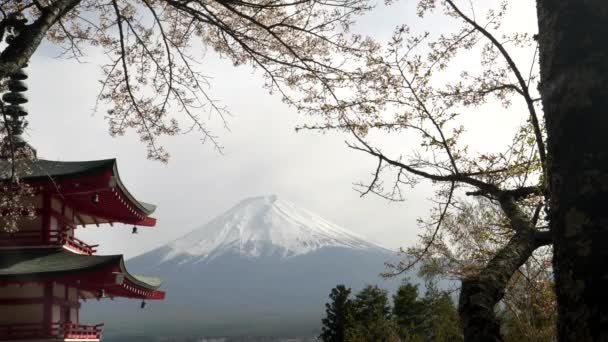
(263,154)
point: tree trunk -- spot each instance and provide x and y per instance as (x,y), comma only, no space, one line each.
(480,294)
(18,53)
(574,87)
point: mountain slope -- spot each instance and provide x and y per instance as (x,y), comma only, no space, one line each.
(264,268)
(261,226)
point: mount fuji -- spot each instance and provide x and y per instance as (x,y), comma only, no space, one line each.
(262,227)
(263,268)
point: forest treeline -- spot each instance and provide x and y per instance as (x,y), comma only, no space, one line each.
(412,316)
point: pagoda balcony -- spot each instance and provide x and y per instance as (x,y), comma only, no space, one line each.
(35,238)
(24,332)
(78,245)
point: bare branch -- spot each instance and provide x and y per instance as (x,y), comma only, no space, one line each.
(522,83)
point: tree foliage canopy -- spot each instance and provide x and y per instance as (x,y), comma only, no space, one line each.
(409,88)
(430,318)
(152,80)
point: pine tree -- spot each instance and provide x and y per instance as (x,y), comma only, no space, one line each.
(408,311)
(371,303)
(378,329)
(372,314)
(339,315)
(441,322)
(431,318)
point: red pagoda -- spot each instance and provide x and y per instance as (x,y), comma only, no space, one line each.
(45,271)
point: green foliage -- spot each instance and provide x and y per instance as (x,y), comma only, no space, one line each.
(431,318)
(515,328)
(372,313)
(369,316)
(339,315)
(377,329)
(407,310)
(441,321)
(530,314)
(371,303)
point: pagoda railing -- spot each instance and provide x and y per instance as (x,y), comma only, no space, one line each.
(80,331)
(16,332)
(77,244)
(36,238)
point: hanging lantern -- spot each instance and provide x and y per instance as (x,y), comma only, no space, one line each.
(95,198)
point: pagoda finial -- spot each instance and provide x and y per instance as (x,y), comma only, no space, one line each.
(14,114)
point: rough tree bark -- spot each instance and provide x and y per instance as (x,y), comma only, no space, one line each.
(19,51)
(574,89)
(480,294)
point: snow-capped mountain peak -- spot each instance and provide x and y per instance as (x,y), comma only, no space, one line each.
(262,226)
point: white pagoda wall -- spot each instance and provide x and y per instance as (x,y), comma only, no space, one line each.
(57,206)
(33,312)
(19,314)
(23,313)
(59,292)
(30,290)
(73,296)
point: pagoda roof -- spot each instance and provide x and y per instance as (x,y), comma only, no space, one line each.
(41,169)
(89,270)
(42,262)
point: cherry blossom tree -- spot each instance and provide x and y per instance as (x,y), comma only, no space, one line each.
(151,81)
(546,186)
(154,48)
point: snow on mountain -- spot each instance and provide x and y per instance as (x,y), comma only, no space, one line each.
(263,268)
(262,226)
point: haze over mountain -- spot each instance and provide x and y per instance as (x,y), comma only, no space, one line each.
(263,268)
(263,226)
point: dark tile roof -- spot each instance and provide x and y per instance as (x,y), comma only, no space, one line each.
(40,262)
(41,168)
(55,261)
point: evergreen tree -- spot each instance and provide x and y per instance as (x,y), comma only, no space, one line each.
(431,318)
(370,304)
(378,329)
(369,316)
(441,322)
(407,310)
(339,315)
(372,314)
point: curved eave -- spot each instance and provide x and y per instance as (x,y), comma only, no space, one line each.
(81,179)
(144,207)
(148,283)
(36,263)
(89,272)
(128,285)
(41,169)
